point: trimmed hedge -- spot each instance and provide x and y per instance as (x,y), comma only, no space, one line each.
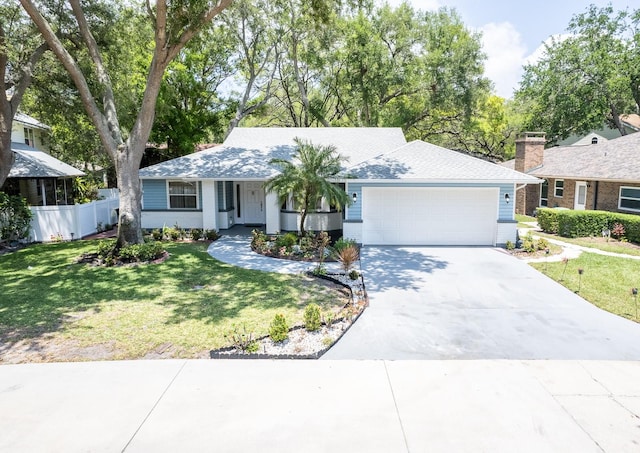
(574,224)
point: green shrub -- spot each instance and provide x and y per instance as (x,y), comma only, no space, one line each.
(548,220)
(15,217)
(287,240)
(343,243)
(279,329)
(574,224)
(312,318)
(141,252)
(156,234)
(258,240)
(542,244)
(353,275)
(105,247)
(196,234)
(510,245)
(211,235)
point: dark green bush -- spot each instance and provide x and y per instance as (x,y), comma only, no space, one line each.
(287,240)
(141,252)
(196,234)
(548,220)
(569,223)
(211,235)
(279,329)
(343,243)
(312,318)
(156,234)
(15,217)
(105,247)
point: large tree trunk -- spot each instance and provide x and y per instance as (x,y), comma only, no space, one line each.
(616,120)
(130,215)
(6,155)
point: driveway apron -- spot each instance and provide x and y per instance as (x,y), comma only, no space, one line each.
(476,303)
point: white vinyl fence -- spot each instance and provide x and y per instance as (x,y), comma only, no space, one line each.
(51,223)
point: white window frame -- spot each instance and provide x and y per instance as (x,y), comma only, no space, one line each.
(555,188)
(620,198)
(169,195)
(546,200)
(29,137)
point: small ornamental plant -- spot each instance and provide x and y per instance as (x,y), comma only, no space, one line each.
(348,256)
(279,329)
(312,317)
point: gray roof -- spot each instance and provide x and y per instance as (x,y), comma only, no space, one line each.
(246,153)
(31,163)
(373,153)
(419,160)
(30,121)
(613,160)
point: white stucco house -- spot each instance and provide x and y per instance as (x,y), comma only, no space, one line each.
(403,193)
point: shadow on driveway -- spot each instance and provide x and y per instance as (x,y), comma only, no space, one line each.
(393,267)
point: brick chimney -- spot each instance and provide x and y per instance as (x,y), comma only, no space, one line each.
(529,155)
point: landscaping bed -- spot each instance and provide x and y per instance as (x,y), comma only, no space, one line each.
(54,310)
(301,342)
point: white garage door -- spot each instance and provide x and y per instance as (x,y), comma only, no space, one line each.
(429,216)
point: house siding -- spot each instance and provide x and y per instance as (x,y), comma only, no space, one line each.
(607,198)
(505,210)
(154,194)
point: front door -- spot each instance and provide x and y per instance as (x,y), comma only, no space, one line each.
(580,202)
(254,204)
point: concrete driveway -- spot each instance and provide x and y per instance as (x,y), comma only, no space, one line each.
(476,303)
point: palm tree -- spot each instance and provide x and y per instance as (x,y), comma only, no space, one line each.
(307,178)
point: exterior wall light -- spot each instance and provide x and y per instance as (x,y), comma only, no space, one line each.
(354,197)
(507,198)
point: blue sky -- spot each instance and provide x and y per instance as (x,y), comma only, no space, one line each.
(513,30)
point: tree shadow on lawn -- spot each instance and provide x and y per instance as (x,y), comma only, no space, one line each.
(397,267)
(40,288)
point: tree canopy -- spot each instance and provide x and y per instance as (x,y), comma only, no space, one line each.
(588,78)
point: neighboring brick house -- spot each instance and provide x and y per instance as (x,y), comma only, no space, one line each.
(603,176)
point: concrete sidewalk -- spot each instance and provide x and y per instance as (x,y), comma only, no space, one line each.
(321,406)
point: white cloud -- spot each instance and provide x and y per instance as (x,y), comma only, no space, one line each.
(540,52)
(506,54)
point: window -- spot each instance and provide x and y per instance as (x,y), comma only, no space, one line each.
(183,195)
(544,193)
(629,199)
(29,138)
(594,140)
(559,188)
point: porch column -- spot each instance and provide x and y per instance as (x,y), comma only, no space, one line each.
(272,205)
(209,205)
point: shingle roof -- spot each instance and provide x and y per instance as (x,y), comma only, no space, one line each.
(246,153)
(31,163)
(30,121)
(614,160)
(419,160)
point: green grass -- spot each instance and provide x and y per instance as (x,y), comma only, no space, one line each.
(133,310)
(612,246)
(606,281)
(524,218)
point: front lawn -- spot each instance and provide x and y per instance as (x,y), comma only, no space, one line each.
(524,218)
(606,281)
(52,309)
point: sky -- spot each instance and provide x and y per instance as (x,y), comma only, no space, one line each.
(513,31)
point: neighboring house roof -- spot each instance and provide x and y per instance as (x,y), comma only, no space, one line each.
(246,153)
(613,160)
(588,140)
(31,163)
(30,121)
(419,160)
(632,120)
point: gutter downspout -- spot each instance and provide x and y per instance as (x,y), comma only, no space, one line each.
(595,196)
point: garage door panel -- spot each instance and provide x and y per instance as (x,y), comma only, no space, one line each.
(429,216)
